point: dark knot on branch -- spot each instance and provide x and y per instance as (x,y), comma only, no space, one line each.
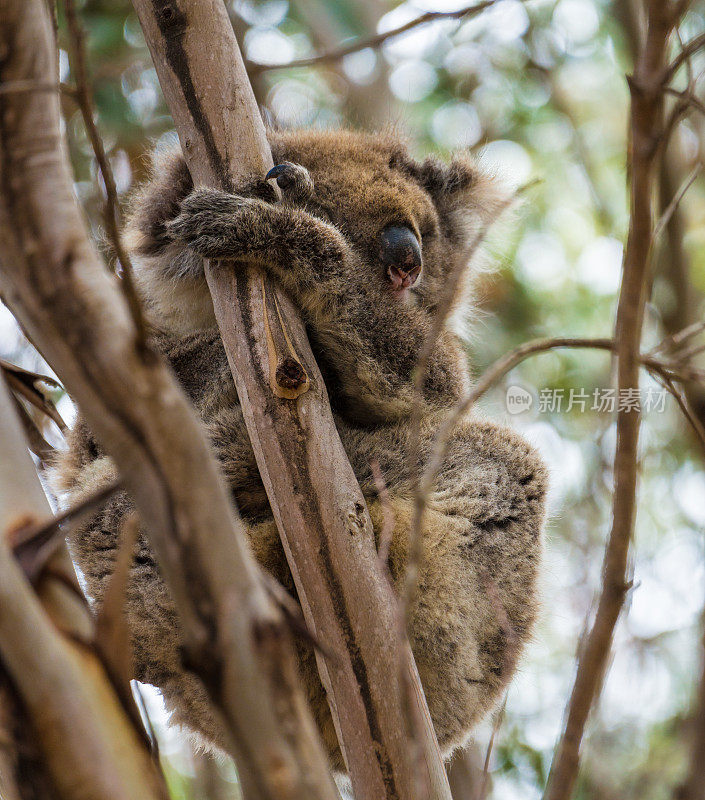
(290,374)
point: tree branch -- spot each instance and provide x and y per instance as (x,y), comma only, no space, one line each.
(368,105)
(26,384)
(665,370)
(55,284)
(375,41)
(90,748)
(83,96)
(689,49)
(323,521)
(646,130)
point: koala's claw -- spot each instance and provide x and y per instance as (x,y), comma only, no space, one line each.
(293,179)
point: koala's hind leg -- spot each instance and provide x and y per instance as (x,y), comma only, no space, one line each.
(476,598)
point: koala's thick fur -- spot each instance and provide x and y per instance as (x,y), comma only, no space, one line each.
(482,537)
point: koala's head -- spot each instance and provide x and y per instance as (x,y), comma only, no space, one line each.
(410,221)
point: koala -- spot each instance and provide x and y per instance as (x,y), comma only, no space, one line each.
(363,240)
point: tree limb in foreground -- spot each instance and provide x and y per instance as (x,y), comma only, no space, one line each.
(55,284)
(324,523)
(57,697)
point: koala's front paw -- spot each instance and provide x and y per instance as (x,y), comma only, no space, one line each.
(294,181)
(210,220)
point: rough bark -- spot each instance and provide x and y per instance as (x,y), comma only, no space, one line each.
(318,506)
(58,698)
(646,129)
(54,282)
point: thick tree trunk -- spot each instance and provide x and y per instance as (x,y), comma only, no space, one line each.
(54,282)
(317,503)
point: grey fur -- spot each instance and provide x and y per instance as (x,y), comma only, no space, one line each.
(482,536)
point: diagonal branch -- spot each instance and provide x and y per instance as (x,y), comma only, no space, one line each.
(689,49)
(315,499)
(83,96)
(665,370)
(672,207)
(27,384)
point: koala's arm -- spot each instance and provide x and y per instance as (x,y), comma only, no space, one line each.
(368,349)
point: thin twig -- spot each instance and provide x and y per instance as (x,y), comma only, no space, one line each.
(294,616)
(505,364)
(692,418)
(688,50)
(24,382)
(84,98)
(688,63)
(377,40)
(512,359)
(499,718)
(678,112)
(668,212)
(686,99)
(35,439)
(687,353)
(677,339)
(72,516)
(687,96)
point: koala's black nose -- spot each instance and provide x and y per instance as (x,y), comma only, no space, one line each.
(400,254)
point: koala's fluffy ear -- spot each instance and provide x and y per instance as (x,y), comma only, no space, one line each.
(466,197)
(444,181)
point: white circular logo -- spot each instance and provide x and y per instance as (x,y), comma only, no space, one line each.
(518,400)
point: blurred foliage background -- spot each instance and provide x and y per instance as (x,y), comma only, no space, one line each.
(537,89)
